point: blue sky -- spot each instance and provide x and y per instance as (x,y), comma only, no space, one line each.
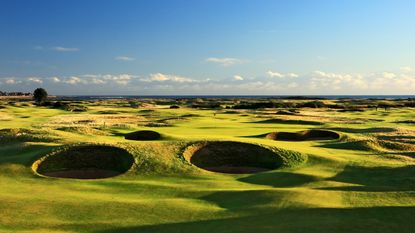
(157,47)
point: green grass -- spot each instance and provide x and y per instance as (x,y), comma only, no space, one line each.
(346,185)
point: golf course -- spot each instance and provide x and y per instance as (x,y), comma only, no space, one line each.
(207,165)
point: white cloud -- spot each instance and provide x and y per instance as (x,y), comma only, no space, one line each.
(64,49)
(225,61)
(159,77)
(317,82)
(389,75)
(274,74)
(55,79)
(323,80)
(98,81)
(73,80)
(385,82)
(35,80)
(238,78)
(292,75)
(322,74)
(406,69)
(122,79)
(124,58)
(12,81)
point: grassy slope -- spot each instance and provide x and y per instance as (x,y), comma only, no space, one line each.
(339,190)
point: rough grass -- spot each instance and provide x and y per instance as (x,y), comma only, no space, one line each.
(85,130)
(25,135)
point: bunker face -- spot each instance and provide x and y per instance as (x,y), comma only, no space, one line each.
(304,135)
(90,173)
(143,135)
(85,162)
(234,157)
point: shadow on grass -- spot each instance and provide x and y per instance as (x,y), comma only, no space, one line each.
(408,154)
(279,179)
(243,200)
(373,179)
(255,136)
(117,133)
(366,130)
(317,220)
(396,137)
(361,145)
(286,121)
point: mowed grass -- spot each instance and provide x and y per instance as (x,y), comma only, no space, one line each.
(341,188)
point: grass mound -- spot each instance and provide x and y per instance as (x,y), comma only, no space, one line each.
(395,146)
(83,130)
(288,121)
(366,130)
(85,162)
(307,135)
(25,135)
(371,144)
(143,135)
(240,158)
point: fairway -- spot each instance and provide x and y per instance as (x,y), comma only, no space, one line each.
(118,168)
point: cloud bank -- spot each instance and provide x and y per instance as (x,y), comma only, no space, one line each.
(270,83)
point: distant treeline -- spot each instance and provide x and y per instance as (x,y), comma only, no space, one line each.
(3,93)
(320,104)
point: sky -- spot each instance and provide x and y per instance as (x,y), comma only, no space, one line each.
(208,47)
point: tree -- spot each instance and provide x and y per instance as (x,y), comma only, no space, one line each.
(40,95)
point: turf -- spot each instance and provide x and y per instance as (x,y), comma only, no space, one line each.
(362,182)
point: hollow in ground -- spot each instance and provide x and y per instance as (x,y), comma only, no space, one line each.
(233,157)
(85,162)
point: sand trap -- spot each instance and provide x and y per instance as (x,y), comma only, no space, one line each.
(233,157)
(85,162)
(307,135)
(143,135)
